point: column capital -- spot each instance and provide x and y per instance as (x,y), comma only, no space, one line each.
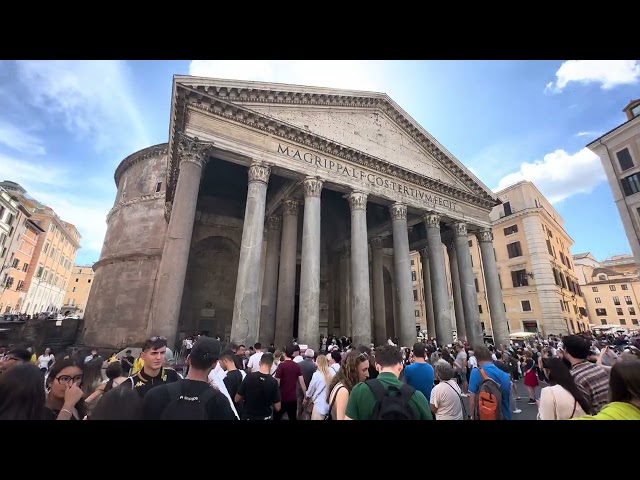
(291,206)
(259,172)
(274,222)
(459,229)
(398,211)
(376,243)
(192,150)
(357,200)
(484,236)
(312,187)
(431,220)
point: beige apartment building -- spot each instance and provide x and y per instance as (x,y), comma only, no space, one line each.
(18,239)
(78,290)
(619,152)
(53,256)
(611,289)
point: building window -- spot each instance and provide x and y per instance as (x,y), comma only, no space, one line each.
(616,300)
(158,187)
(74,289)
(417,313)
(632,311)
(598,300)
(514,250)
(634,321)
(619,311)
(627,300)
(413,262)
(415,295)
(594,289)
(623,321)
(624,159)
(573,327)
(479,308)
(624,286)
(612,288)
(511,230)
(507,209)
(526,306)
(504,305)
(471,257)
(603,321)
(470,243)
(500,281)
(77,280)
(601,312)
(631,184)
(475,280)
(602,278)
(413,276)
(89,281)
(519,278)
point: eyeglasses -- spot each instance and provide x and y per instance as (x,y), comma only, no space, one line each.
(67,379)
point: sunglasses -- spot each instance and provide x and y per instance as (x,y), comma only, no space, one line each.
(363,356)
(65,379)
(155,339)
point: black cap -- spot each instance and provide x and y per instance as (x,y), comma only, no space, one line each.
(206,350)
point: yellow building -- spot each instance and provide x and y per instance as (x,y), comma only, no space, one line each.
(619,152)
(611,289)
(78,288)
(418,291)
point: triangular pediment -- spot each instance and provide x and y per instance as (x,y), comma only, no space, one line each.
(367,122)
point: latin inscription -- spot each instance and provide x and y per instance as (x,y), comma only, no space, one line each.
(373,178)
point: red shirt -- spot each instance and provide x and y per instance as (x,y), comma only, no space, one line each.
(288,373)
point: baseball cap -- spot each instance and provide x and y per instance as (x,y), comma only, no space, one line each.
(206,350)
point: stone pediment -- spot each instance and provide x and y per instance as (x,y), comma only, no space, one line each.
(366,124)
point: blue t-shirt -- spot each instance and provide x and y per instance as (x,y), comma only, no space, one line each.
(420,377)
(499,376)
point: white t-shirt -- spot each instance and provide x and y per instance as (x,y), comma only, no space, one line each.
(43,361)
(216,380)
(254,361)
(472,362)
(446,397)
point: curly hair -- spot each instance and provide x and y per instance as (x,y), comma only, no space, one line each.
(348,373)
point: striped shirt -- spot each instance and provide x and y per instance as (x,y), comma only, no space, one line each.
(593,380)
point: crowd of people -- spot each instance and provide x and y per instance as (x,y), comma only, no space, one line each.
(583,377)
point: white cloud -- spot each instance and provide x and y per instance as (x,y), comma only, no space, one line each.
(560,175)
(25,173)
(346,74)
(584,134)
(609,73)
(20,140)
(91,99)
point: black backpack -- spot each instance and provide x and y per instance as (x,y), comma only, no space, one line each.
(182,407)
(391,407)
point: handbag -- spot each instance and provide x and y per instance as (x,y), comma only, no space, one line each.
(310,403)
(328,415)
(465,416)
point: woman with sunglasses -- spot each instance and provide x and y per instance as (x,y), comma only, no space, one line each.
(354,369)
(64,385)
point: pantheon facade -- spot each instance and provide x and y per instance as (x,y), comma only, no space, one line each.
(278,211)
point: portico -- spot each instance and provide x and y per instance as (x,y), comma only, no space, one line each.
(292,211)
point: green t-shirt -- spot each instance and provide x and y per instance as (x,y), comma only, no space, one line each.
(362,400)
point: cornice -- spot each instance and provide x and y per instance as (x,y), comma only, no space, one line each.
(132,201)
(132,257)
(140,155)
(213,103)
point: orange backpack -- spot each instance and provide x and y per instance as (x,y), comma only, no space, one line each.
(488,402)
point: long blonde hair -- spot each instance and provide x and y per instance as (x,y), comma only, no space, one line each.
(323,368)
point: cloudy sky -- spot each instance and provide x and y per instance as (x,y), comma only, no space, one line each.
(65,125)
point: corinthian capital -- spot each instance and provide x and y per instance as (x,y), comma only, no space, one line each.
(290,206)
(312,187)
(376,243)
(398,211)
(358,200)
(259,172)
(484,236)
(459,229)
(431,220)
(274,222)
(192,150)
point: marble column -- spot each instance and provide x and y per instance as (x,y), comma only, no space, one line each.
(402,269)
(285,305)
(467,285)
(441,312)
(309,313)
(270,281)
(193,156)
(345,287)
(428,296)
(360,291)
(494,292)
(457,291)
(246,306)
(379,312)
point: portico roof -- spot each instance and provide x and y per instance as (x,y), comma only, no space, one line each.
(239,101)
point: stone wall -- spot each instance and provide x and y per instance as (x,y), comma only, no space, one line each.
(117,311)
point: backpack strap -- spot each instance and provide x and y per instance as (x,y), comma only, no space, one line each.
(207,395)
(483,373)
(406,392)
(378,390)
(175,390)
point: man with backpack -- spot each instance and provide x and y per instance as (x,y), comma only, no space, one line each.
(386,397)
(490,389)
(192,398)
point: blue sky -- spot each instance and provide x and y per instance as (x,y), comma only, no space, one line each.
(65,125)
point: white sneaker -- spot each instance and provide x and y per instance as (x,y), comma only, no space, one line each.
(465,395)
(517,410)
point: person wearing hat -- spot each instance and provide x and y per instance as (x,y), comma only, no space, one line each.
(160,402)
